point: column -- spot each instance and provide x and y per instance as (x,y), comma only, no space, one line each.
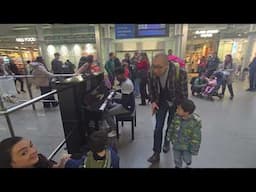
(98,43)
(107,42)
(42,45)
(180,33)
(249,51)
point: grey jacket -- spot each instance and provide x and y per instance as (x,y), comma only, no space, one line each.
(42,76)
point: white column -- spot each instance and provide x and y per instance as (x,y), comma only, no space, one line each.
(42,45)
(107,42)
(170,41)
(180,33)
(98,43)
(249,51)
(184,40)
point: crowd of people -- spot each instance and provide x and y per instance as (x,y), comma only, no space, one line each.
(163,83)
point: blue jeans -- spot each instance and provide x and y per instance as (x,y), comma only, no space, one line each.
(137,86)
(160,119)
(180,156)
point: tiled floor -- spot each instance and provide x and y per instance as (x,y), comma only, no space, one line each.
(228,133)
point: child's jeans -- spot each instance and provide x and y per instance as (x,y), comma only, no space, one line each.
(180,156)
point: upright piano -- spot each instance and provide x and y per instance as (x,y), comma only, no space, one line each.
(81,99)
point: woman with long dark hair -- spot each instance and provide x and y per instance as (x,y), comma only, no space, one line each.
(228,70)
(17,152)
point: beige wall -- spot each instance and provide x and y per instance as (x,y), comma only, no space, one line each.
(140,44)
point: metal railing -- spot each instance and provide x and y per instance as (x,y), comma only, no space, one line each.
(6,113)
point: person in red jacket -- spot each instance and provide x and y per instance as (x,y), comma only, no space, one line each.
(143,68)
(126,69)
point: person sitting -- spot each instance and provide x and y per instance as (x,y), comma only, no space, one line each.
(125,105)
(198,84)
(18,152)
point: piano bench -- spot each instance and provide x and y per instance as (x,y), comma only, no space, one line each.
(126,117)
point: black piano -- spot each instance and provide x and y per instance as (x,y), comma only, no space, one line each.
(81,99)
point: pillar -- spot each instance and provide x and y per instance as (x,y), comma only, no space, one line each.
(180,34)
(42,45)
(249,51)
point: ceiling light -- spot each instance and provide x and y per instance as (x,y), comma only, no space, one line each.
(20,28)
(206,35)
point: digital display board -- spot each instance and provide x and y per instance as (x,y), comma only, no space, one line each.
(152,30)
(125,31)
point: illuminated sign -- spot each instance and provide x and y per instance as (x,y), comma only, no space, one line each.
(152,30)
(28,39)
(125,31)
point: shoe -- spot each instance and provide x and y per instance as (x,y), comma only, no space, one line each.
(166,147)
(188,164)
(154,158)
(249,89)
(112,133)
(18,92)
(23,91)
(231,97)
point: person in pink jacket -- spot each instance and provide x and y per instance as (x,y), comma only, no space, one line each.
(174,58)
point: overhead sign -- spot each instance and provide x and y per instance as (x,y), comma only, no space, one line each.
(152,30)
(29,39)
(124,31)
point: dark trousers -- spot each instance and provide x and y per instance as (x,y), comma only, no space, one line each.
(21,83)
(252,82)
(45,90)
(143,90)
(111,79)
(230,88)
(160,119)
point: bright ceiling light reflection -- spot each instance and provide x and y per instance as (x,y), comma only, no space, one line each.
(89,48)
(64,50)
(77,50)
(51,49)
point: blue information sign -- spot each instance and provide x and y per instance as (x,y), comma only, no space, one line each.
(152,30)
(125,31)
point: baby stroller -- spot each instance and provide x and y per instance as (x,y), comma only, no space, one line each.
(197,89)
(197,86)
(220,78)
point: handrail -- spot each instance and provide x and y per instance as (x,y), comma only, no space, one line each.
(56,150)
(54,75)
(15,108)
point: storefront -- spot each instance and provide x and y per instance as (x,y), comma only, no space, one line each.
(236,47)
(71,52)
(20,55)
(200,43)
(195,50)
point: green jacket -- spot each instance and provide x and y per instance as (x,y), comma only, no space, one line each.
(110,67)
(90,162)
(185,135)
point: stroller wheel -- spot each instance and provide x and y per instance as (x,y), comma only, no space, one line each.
(210,98)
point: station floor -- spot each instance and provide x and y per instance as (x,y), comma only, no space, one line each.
(228,132)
